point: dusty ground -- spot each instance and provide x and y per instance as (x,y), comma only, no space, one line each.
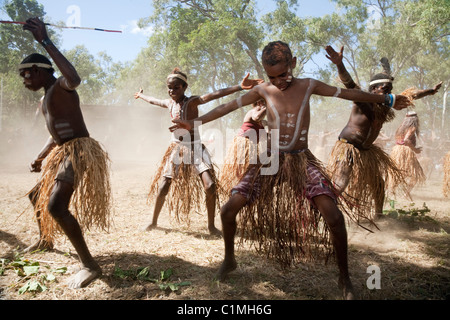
(413,253)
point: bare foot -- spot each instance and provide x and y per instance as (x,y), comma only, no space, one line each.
(40,245)
(214,231)
(83,277)
(151,227)
(225,269)
(347,289)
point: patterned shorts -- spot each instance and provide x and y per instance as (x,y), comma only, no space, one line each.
(316,185)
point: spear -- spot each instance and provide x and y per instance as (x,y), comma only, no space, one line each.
(64,27)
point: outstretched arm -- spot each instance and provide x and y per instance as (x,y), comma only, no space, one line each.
(151,100)
(337,59)
(71,80)
(323,89)
(218,112)
(423,93)
(246,84)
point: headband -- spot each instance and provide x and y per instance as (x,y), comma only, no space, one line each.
(380,81)
(37,64)
(179,76)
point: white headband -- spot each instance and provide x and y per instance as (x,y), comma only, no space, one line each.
(380,81)
(31,64)
(176,75)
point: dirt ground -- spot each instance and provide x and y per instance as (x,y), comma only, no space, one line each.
(175,262)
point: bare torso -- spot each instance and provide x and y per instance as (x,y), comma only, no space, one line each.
(62,113)
(288,112)
(363,126)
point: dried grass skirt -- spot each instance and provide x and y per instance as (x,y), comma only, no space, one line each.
(91,201)
(281,221)
(186,194)
(371,171)
(406,160)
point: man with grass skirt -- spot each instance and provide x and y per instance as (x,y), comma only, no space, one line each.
(76,170)
(357,165)
(290,210)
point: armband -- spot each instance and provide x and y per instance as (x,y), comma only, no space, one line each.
(389,100)
(46,42)
(338,92)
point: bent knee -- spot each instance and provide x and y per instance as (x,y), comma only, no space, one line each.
(335,220)
(56,208)
(229,210)
(210,187)
(330,211)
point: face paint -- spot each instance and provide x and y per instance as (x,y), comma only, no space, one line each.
(289,79)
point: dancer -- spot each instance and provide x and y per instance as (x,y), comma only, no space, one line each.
(182,179)
(405,150)
(77,168)
(356,164)
(275,195)
(243,150)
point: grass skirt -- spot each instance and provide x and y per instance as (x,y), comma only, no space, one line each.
(282,222)
(186,193)
(407,162)
(446,185)
(91,200)
(240,154)
(372,170)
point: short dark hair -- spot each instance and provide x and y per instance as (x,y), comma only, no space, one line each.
(276,52)
(39,60)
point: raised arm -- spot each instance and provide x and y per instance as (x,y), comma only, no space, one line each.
(71,80)
(151,100)
(246,84)
(251,97)
(337,59)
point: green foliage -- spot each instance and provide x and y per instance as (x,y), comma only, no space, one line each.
(143,274)
(406,212)
(37,277)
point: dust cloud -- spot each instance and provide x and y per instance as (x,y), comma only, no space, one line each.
(131,134)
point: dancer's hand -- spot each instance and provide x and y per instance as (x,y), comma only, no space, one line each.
(181,124)
(258,113)
(36,165)
(436,87)
(401,102)
(137,95)
(37,28)
(333,56)
(248,84)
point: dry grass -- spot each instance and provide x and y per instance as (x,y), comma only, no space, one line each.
(413,254)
